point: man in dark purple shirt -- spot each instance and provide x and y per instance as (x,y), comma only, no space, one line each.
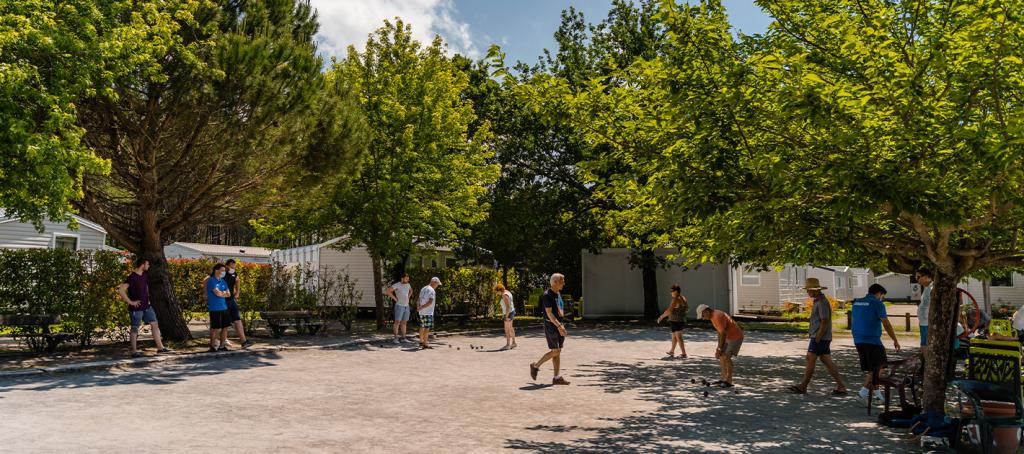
(135,292)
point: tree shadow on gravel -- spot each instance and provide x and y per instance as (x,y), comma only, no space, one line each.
(156,374)
(756,416)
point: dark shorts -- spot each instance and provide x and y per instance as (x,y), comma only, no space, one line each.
(220,319)
(820,348)
(554,338)
(233,312)
(676,326)
(872,357)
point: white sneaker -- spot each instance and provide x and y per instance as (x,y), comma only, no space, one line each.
(227,343)
(403,340)
(879,397)
(395,340)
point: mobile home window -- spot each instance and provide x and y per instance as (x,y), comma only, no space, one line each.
(1002,281)
(856,281)
(839,282)
(751,278)
(66,242)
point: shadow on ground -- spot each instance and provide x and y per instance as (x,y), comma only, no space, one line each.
(159,374)
(756,416)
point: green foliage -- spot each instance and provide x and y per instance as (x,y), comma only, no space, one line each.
(463,290)
(49,53)
(423,174)
(79,286)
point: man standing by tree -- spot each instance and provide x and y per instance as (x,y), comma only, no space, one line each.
(135,292)
(821,339)
(924,277)
(425,306)
(730,338)
(234,313)
(399,292)
(554,330)
(868,319)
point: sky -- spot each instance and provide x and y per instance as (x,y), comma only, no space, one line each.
(523,28)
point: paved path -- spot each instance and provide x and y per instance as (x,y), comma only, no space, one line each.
(624,398)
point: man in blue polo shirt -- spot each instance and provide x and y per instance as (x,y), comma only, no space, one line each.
(868,318)
(217,293)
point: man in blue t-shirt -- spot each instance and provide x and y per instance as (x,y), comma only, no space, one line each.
(217,293)
(554,330)
(869,316)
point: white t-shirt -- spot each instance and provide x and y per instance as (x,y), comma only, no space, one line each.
(402,292)
(1018,320)
(922,309)
(426,295)
(511,307)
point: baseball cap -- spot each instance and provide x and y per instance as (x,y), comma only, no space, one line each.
(701,308)
(435,280)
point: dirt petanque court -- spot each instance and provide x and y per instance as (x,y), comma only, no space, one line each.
(624,397)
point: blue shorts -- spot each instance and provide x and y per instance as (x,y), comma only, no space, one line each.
(820,348)
(427,322)
(510,316)
(148,316)
(401,313)
(924,336)
(234,314)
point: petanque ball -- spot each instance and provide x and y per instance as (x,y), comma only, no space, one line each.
(705,394)
(693,380)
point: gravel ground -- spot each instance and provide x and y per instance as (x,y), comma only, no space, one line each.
(624,397)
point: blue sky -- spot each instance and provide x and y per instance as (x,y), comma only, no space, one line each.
(523,28)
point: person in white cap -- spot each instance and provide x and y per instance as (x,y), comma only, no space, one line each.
(425,306)
(730,338)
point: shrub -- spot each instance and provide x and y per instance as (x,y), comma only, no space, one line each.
(463,289)
(327,293)
(80,286)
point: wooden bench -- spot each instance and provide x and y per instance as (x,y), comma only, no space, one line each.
(303,321)
(37,332)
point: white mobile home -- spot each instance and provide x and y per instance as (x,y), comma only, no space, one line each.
(15,234)
(325,257)
(897,286)
(613,288)
(1005,291)
(246,254)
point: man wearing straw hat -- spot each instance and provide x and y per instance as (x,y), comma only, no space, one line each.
(821,338)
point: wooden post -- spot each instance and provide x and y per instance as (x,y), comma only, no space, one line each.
(849,319)
(907,317)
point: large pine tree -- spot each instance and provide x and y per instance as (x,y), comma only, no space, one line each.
(222,109)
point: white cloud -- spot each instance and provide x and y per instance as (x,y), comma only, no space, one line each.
(350,22)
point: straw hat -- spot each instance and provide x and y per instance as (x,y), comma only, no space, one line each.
(813,284)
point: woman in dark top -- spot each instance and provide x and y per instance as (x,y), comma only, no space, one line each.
(676,314)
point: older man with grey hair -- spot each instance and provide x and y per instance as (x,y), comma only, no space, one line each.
(554,330)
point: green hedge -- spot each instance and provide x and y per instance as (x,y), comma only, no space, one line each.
(78,285)
(81,286)
(463,289)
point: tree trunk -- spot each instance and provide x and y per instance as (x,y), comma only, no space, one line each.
(941,330)
(398,269)
(649,269)
(173,326)
(378,284)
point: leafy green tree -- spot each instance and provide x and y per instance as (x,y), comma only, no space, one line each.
(219,109)
(49,54)
(422,179)
(852,132)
